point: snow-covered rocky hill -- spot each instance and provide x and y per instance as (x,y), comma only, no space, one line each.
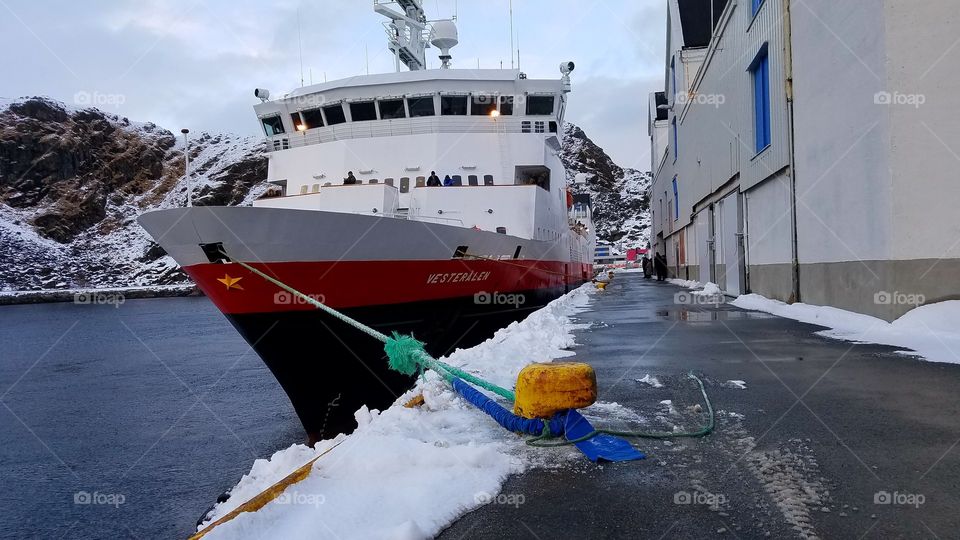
(621,205)
(73,181)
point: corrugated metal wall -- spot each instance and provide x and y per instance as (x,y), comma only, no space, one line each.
(716,129)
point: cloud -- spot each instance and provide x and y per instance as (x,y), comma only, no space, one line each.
(194,63)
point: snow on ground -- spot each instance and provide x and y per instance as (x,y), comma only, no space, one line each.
(932,331)
(710,289)
(408,473)
(740,385)
(650,380)
(686,283)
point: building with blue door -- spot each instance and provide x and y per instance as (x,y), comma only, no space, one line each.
(805,150)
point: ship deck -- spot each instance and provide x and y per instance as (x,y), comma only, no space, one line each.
(828,427)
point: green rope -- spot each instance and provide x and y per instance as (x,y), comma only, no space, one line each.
(407,355)
(404,353)
(702,432)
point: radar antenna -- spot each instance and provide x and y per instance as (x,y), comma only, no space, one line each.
(407,33)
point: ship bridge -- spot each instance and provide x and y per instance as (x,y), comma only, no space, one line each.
(412,103)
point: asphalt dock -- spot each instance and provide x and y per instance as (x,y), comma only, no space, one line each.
(824,438)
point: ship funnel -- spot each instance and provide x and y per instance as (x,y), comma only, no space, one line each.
(444,37)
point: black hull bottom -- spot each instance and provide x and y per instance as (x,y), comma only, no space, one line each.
(329,369)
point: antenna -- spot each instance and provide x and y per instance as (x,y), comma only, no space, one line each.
(300,44)
(366,53)
(511,34)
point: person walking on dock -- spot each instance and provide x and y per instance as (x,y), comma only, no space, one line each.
(660,266)
(645,264)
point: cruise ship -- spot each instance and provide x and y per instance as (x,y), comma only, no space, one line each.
(354,218)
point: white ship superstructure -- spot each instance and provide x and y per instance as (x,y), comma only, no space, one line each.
(355,217)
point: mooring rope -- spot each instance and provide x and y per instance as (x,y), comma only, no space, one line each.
(404,353)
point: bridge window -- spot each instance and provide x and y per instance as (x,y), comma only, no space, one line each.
(539,105)
(334,114)
(391,109)
(312,118)
(363,112)
(298,123)
(453,105)
(483,105)
(506,105)
(272,125)
(421,106)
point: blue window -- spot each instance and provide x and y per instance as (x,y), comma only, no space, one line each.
(676,139)
(760,71)
(756,5)
(676,200)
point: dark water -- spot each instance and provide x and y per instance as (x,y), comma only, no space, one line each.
(153,408)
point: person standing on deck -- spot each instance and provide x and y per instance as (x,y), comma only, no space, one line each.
(433,180)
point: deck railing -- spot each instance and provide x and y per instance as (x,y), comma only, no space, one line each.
(413,126)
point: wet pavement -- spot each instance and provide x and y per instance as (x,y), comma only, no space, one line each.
(828,438)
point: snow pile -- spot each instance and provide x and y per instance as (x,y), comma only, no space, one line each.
(650,380)
(408,473)
(739,385)
(932,331)
(710,289)
(690,284)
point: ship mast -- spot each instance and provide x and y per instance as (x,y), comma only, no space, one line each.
(407,35)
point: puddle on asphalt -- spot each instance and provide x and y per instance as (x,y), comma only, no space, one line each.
(686,314)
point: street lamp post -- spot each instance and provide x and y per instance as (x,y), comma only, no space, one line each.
(186,166)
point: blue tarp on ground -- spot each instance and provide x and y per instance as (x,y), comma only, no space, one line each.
(599,447)
(571,424)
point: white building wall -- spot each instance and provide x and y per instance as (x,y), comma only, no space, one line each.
(843,160)
(925,139)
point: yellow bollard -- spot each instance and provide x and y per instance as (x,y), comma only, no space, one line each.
(602,285)
(546,389)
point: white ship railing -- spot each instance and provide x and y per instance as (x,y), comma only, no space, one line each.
(413,126)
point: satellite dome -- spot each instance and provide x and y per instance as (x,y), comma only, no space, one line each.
(444,35)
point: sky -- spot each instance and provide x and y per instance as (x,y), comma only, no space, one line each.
(195,63)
